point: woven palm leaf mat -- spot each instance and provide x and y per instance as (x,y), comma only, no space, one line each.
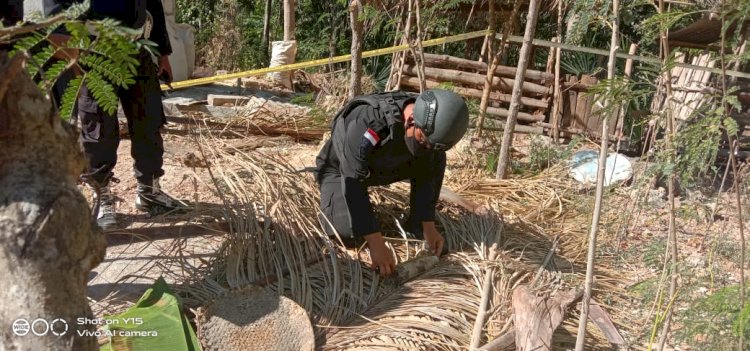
(254,319)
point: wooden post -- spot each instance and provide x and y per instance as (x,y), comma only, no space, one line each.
(490,75)
(517,85)
(557,100)
(628,73)
(407,28)
(590,263)
(290,25)
(355,11)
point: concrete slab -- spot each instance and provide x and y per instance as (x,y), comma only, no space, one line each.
(132,267)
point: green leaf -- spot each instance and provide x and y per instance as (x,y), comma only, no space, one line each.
(159,311)
(70,96)
(731,125)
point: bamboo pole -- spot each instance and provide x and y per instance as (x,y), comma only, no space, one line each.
(557,95)
(417,49)
(672,242)
(355,13)
(404,40)
(488,83)
(476,335)
(733,144)
(518,83)
(590,262)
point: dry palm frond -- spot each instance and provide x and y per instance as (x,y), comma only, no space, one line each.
(276,242)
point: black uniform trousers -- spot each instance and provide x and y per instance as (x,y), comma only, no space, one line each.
(143,109)
(334,207)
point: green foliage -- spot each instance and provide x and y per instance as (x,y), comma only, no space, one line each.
(709,321)
(662,22)
(106,62)
(580,63)
(543,154)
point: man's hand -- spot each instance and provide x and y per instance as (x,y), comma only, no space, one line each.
(165,69)
(381,257)
(433,237)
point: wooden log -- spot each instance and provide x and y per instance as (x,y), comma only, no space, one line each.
(584,108)
(475,79)
(413,82)
(602,320)
(522,116)
(536,318)
(227,100)
(505,342)
(518,128)
(447,61)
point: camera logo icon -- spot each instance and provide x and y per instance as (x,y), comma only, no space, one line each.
(21,327)
(40,327)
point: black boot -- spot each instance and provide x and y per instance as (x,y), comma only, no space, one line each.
(155,201)
(106,217)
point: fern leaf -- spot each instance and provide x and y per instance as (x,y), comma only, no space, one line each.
(70,96)
(103,92)
(52,74)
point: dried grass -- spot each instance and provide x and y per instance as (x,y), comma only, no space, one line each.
(276,241)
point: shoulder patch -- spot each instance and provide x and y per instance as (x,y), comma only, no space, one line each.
(372,136)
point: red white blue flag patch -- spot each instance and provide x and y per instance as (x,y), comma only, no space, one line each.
(372,137)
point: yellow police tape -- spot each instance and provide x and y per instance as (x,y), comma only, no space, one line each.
(320,62)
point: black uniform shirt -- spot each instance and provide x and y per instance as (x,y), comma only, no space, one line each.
(368,161)
(159,34)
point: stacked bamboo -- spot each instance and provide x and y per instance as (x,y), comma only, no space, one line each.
(689,87)
(468,78)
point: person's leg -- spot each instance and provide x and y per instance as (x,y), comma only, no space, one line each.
(335,212)
(142,105)
(100,138)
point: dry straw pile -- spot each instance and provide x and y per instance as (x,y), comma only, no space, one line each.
(276,243)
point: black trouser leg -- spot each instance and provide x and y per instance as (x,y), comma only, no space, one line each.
(333,205)
(142,105)
(99,136)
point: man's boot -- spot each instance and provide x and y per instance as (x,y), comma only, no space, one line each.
(106,217)
(152,199)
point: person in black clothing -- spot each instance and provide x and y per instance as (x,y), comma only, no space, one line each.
(381,139)
(11,12)
(141,103)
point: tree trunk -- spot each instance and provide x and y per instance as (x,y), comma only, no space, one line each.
(266,30)
(50,242)
(355,11)
(504,155)
(290,25)
(333,38)
(590,264)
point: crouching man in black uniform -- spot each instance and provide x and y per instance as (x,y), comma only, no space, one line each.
(380,139)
